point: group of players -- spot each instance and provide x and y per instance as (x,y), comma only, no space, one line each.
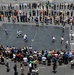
(19,35)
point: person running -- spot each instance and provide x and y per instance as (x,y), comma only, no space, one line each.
(53,39)
(62,39)
(25,38)
(67,44)
(19,34)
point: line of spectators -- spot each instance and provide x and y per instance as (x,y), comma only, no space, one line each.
(46,14)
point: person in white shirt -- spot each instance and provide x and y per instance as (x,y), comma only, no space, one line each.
(14,56)
(71,27)
(44,60)
(30,48)
(19,33)
(20,11)
(30,67)
(53,39)
(6,32)
(67,44)
(62,39)
(35,51)
(25,61)
(63,29)
(25,38)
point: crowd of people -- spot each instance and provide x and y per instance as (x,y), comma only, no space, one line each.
(28,57)
(38,12)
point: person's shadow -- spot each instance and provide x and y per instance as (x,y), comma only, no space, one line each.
(54,72)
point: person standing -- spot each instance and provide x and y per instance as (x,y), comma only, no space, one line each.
(30,67)
(2,17)
(71,35)
(54,60)
(71,26)
(43,60)
(9,18)
(71,13)
(35,63)
(15,70)
(17,18)
(63,29)
(25,60)
(7,65)
(22,68)
(60,5)
(2,60)
(6,32)
(30,50)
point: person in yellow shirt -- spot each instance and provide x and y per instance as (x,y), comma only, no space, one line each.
(62,12)
(35,63)
(14,18)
